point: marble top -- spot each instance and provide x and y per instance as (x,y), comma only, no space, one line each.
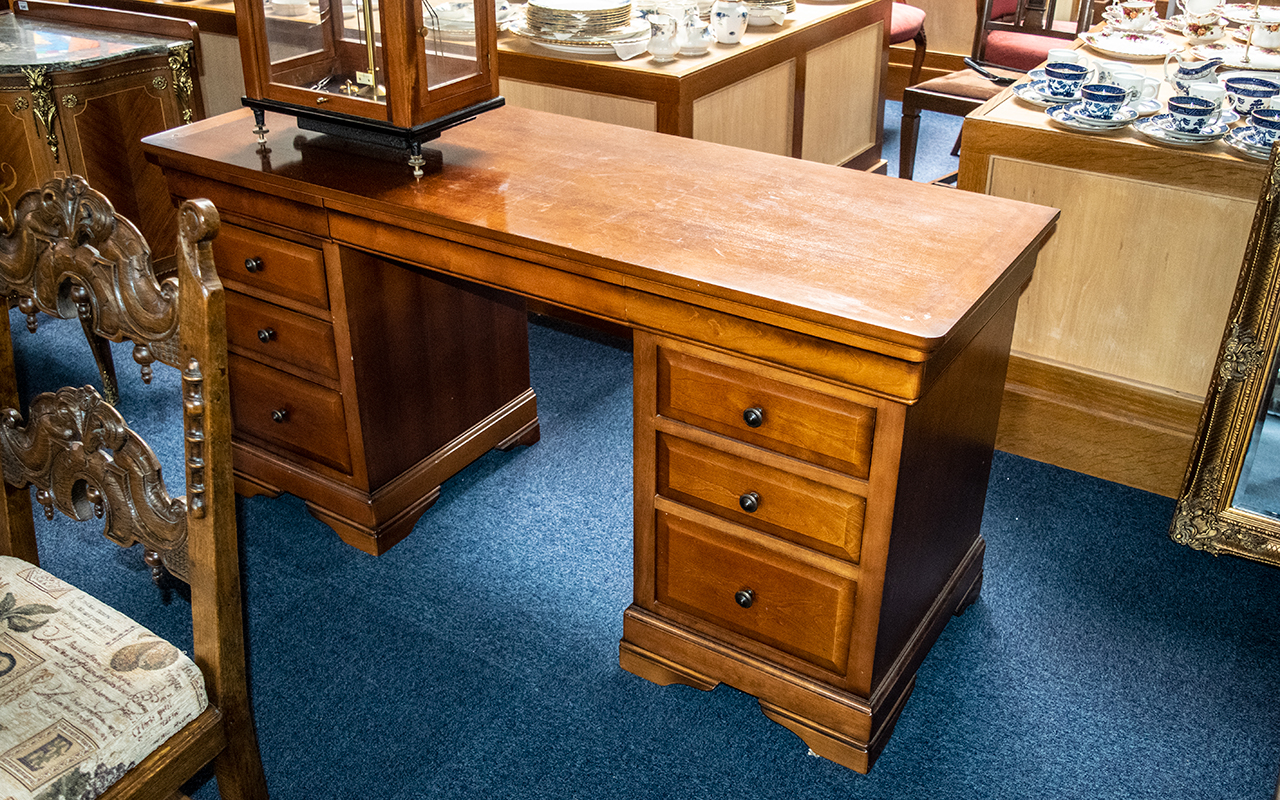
(28,41)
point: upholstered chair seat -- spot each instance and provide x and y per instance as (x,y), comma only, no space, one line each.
(57,739)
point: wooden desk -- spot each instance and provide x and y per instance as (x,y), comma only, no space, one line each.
(813,88)
(1118,332)
(817,370)
(78,89)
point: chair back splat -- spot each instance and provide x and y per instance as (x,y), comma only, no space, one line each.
(151,717)
(1011,37)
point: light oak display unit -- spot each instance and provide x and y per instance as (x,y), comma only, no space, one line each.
(1118,332)
(812,88)
(816,393)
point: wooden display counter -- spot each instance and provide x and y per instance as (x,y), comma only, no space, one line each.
(811,88)
(1119,330)
(818,371)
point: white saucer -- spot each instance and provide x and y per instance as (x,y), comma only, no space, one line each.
(1146,108)
(1122,117)
(1241,139)
(1063,116)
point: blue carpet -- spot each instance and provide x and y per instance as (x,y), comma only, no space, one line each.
(478,658)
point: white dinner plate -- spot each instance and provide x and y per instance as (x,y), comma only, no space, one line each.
(1133,46)
(1232,55)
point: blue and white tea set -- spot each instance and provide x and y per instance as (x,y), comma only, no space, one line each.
(1104,96)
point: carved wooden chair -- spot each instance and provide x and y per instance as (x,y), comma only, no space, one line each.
(92,703)
(1012,36)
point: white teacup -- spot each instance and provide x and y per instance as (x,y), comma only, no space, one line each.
(1067,54)
(1199,8)
(1105,69)
(1138,87)
(1132,15)
(1215,93)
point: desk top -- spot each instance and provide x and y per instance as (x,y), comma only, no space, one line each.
(30,41)
(831,252)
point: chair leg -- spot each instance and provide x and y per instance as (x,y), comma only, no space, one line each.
(917,62)
(17,530)
(907,138)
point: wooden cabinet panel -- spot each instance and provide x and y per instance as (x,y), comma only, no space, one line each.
(811,512)
(259,263)
(286,411)
(794,606)
(270,333)
(794,421)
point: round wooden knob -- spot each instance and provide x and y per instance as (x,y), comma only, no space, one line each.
(253,264)
(280,415)
(754,417)
(745,597)
(749,502)
(266,335)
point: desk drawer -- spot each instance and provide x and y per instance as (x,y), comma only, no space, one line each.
(289,412)
(795,606)
(810,512)
(801,423)
(248,259)
(271,332)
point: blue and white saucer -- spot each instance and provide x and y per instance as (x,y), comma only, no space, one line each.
(1159,128)
(1121,118)
(1244,139)
(1028,92)
(1072,116)
(1208,133)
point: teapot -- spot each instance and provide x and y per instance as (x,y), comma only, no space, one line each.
(1189,72)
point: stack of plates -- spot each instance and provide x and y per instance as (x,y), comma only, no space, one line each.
(458,16)
(790,4)
(591,27)
(578,17)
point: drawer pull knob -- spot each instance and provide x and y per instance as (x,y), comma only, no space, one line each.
(280,415)
(253,264)
(754,417)
(265,335)
(749,502)
(745,597)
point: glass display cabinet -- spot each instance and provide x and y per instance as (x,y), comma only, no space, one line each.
(387,72)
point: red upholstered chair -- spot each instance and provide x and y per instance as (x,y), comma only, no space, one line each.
(1011,39)
(907,25)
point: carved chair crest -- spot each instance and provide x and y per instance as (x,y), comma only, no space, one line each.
(64,245)
(65,252)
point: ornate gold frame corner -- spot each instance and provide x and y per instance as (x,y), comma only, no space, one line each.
(1204,518)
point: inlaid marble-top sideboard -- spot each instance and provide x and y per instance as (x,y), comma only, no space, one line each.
(79,88)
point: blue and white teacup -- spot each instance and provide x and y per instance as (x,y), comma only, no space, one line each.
(1248,93)
(1266,125)
(1065,78)
(1191,114)
(1102,100)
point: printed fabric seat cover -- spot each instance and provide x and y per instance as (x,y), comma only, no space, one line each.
(85,692)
